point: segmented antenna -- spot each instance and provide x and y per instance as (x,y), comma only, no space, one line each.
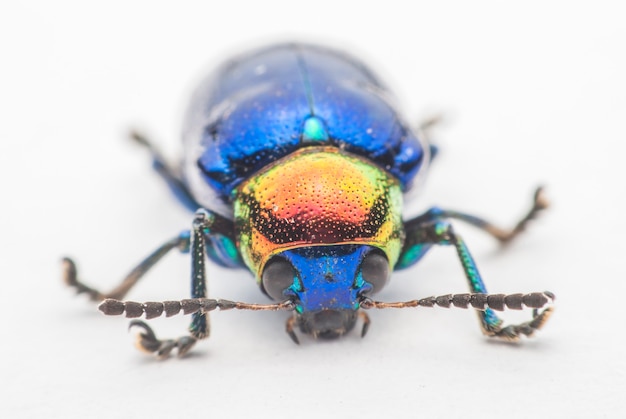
(478,301)
(499,302)
(153,309)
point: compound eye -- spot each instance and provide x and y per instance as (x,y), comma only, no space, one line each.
(375,271)
(278,275)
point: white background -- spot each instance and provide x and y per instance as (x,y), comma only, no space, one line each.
(533,94)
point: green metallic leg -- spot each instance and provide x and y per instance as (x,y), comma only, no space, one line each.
(413,251)
(199,328)
(211,236)
(147,340)
(442,233)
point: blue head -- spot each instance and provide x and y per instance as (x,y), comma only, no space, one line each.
(326,284)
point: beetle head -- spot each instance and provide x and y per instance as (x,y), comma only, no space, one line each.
(326,284)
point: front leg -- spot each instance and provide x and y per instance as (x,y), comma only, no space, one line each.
(199,327)
(422,236)
(212,235)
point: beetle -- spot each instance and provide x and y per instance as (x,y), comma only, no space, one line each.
(296,163)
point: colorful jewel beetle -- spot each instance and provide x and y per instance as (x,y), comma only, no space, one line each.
(296,162)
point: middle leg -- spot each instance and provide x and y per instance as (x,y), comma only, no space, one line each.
(501,234)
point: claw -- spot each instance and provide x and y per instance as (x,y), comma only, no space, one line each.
(148,342)
(541,202)
(70,277)
(538,321)
(289,326)
(366,322)
(69,272)
(513,332)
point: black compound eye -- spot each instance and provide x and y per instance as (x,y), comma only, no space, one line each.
(277,276)
(375,270)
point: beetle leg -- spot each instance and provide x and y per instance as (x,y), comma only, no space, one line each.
(148,342)
(441,233)
(290,326)
(366,322)
(219,244)
(167,173)
(70,276)
(425,127)
(211,236)
(503,235)
(199,327)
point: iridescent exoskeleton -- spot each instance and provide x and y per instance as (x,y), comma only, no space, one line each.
(296,161)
